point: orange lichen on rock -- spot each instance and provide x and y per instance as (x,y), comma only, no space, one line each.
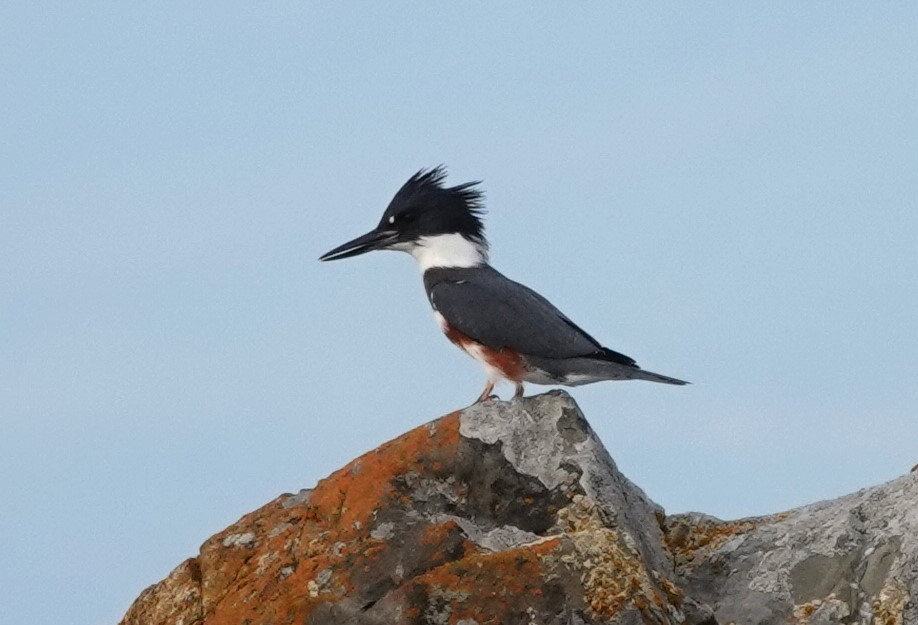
(501,587)
(691,537)
(349,496)
(513,568)
(889,606)
(300,551)
(437,534)
(513,512)
(176,599)
(614,574)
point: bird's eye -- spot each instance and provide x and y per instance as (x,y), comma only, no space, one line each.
(405,217)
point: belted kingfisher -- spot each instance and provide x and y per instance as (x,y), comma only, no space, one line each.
(515,333)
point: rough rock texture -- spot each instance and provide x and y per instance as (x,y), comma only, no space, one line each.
(850,560)
(514,513)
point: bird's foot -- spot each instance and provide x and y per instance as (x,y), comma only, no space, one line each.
(486,393)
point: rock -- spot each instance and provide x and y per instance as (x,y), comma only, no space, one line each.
(514,513)
(850,560)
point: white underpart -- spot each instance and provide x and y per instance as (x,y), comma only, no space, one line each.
(446,250)
(494,374)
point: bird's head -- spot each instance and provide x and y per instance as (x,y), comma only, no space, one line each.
(440,226)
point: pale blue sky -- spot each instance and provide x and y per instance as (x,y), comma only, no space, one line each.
(726,193)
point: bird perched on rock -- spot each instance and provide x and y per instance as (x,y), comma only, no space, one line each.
(515,333)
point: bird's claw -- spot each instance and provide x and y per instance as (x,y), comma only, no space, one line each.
(485,398)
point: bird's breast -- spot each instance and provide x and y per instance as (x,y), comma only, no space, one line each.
(507,362)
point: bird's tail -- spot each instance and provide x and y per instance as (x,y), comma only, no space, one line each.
(615,369)
(577,371)
(640,374)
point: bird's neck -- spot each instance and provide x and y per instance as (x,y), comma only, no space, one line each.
(448,250)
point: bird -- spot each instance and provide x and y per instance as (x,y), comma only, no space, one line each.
(515,333)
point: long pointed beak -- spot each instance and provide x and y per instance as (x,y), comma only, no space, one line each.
(373,240)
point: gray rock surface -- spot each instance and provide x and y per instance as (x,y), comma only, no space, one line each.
(614,529)
(513,513)
(852,560)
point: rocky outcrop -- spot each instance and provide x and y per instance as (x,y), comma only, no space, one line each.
(850,560)
(514,513)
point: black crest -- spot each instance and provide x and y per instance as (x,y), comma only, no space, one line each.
(424,206)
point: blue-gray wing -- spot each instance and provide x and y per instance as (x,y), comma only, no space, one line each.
(500,313)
